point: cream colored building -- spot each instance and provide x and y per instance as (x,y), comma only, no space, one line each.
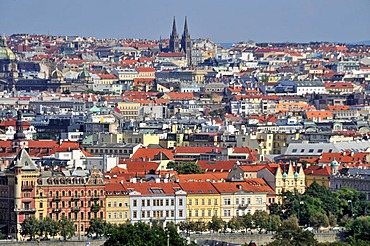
(117,202)
(129,110)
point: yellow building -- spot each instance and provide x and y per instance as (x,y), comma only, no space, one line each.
(318,174)
(140,137)
(240,198)
(129,110)
(282,140)
(203,201)
(117,204)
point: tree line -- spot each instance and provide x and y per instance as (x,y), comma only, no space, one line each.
(47,227)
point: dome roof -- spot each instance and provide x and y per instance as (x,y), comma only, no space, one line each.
(5,52)
(56,74)
(296,175)
(285,175)
(84,74)
(334,163)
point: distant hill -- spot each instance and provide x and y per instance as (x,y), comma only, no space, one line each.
(366,42)
(226,45)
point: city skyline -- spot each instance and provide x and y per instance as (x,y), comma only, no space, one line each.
(262,21)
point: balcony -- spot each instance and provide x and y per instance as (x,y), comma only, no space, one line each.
(243,205)
(95,208)
(94,198)
(57,199)
(76,209)
(25,210)
(56,210)
(75,198)
(27,187)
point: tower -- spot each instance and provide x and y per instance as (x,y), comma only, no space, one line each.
(19,141)
(186,43)
(174,38)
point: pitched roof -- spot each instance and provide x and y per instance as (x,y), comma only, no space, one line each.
(218,166)
(199,188)
(153,154)
(318,170)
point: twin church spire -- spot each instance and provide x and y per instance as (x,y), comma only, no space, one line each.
(184,45)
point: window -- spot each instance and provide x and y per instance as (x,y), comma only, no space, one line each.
(180,213)
(180,202)
(134,203)
(227,212)
(143,203)
(215,201)
(134,214)
(196,201)
(259,200)
(109,204)
(227,201)
(41,205)
(310,150)
(190,201)
(209,201)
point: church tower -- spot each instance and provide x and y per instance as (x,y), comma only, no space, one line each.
(19,141)
(174,38)
(186,43)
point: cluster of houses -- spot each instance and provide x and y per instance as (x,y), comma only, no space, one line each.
(89,127)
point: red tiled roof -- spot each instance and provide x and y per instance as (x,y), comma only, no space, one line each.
(211,166)
(145,69)
(12,122)
(171,54)
(147,188)
(181,95)
(198,188)
(318,170)
(152,154)
(107,76)
(196,150)
(140,166)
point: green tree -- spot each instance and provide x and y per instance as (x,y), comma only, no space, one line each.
(332,219)
(319,219)
(216,223)
(260,219)
(142,234)
(67,228)
(274,222)
(247,221)
(29,227)
(49,227)
(359,229)
(290,233)
(235,223)
(98,228)
(185,168)
(276,209)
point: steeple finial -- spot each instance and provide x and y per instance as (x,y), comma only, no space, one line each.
(174,31)
(186,31)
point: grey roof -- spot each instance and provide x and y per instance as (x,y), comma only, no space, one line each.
(315,149)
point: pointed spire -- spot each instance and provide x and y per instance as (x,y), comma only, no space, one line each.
(174,31)
(186,31)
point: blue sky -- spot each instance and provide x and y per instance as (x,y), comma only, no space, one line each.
(221,21)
